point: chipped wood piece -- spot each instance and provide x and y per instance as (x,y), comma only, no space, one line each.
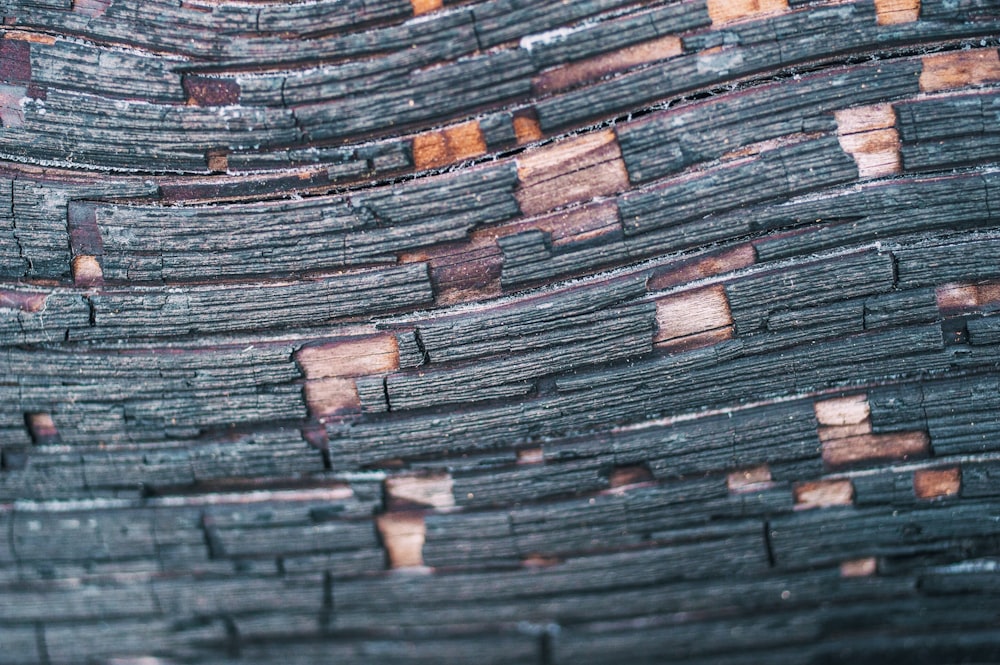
(540,561)
(717,263)
(403,535)
(749,480)
(425,6)
(937,483)
(959,69)
(332,396)
(15,61)
(624,476)
(91,8)
(834,432)
(352,357)
(463,272)
(839,411)
(569,75)
(22,300)
(875,447)
(211,91)
(573,170)
(526,126)
(697,340)
(865,118)
(11,112)
(727,11)
(891,12)
(692,312)
(955,299)
(530,456)
(218,161)
(87,271)
(869,135)
(876,152)
(32,37)
(42,428)
(433,491)
(449,145)
(823,493)
(865,567)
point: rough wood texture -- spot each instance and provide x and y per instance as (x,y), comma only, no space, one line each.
(499,331)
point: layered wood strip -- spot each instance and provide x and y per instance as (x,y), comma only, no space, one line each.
(527,332)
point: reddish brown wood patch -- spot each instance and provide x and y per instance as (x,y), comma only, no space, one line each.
(869,135)
(823,493)
(888,12)
(211,91)
(959,69)
(573,170)
(567,76)
(693,318)
(937,483)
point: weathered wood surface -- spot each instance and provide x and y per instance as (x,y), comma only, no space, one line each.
(504,331)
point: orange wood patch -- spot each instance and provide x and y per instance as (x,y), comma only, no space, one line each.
(859,567)
(353,357)
(577,169)
(692,312)
(87,270)
(567,76)
(449,145)
(332,396)
(875,447)
(749,480)
(426,6)
(420,491)
(888,12)
(403,535)
(823,493)
(724,11)
(959,69)
(936,483)
(869,135)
